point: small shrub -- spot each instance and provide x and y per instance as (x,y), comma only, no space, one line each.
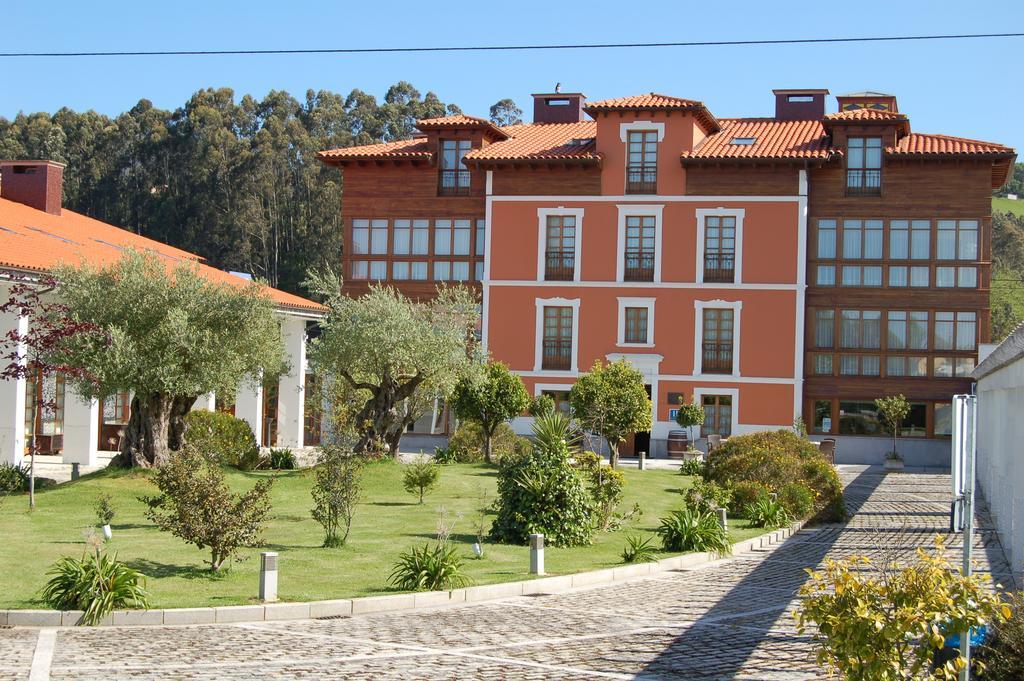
(444,455)
(282,459)
(797,499)
(197,505)
(467,443)
(887,621)
(1003,652)
(429,568)
(707,497)
(421,477)
(745,493)
(767,512)
(605,486)
(542,492)
(13,478)
(775,459)
(336,492)
(639,549)
(690,530)
(692,467)
(105,509)
(541,405)
(97,584)
(222,437)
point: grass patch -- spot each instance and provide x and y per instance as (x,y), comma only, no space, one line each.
(1005,205)
(387,522)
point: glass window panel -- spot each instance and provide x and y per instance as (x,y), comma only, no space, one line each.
(917,366)
(419,271)
(421,237)
(481,237)
(945,277)
(479,271)
(915,424)
(403,232)
(896,338)
(869,365)
(400,270)
(379,237)
(872,239)
(849,365)
(852,239)
(360,269)
(944,330)
(873,275)
(918,331)
(968,241)
(824,328)
(442,237)
(379,270)
(942,367)
(826,238)
(946,240)
(966,277)
(460,245)
(826,275)
(943,423)
(895,366)
(899,239)
(360,237)
(920,239)
(897,276)
(851,275)
(859,418)
(822,416)
(823,364)
(442,271)
(460,271)
(964,366)
(966,330)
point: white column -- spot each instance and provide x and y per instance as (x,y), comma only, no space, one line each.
(249,406)
(12,401)
(207,402)
(81,429)
(291,393)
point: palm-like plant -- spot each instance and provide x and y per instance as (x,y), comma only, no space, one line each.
(96,584)
(638,550)
(430,568)
(767,512)
(691,530)
(553,431)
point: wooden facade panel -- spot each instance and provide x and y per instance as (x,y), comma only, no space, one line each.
(416,290)
(870,387)
(742,181)
(567,181)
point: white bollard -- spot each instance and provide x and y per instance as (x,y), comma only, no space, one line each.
(536,554)
(642,464)
(722,518)
(268,576)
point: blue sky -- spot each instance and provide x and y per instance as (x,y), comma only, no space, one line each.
(967,88)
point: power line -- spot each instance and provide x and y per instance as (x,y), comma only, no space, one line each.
(510,48)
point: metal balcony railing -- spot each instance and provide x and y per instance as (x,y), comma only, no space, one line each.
(638,266)
(863,182)
(453,183)
(560,264)
(716,358)
(641,178)
(557,354)
(719,268)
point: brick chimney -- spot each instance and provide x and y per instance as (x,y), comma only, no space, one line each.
(800,105)
(558,107)
(34,183)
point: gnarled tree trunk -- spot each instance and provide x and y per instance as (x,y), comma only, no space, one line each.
(156,427)
(379,419)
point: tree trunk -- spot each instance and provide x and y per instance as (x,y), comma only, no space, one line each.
(379,417)
(147,436)
(488,453)
(614,455)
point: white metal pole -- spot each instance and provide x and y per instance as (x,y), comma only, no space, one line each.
(969,432)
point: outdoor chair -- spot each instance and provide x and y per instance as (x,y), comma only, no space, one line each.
(828,448)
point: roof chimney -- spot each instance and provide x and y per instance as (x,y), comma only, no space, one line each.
(558,106)
(34,183)
(800,105)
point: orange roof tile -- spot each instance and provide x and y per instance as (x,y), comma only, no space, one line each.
(772,139)
(650,101)
(865,115)
(35,240)
(417,147)
(920,143)
(461,121)
(542,142)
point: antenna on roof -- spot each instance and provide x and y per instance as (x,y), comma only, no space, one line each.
(558,87)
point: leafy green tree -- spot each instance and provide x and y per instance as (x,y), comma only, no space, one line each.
(689,415)
(173,336)
(491,398)
(421,477)
(389,353)
(336,492)
(505,112)
(611,401)
(893,409)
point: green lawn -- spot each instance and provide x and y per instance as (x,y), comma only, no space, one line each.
(387,522)
(1007,206)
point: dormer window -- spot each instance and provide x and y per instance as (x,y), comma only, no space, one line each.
(642,162)
(453,178)
(864,166)
(743,141)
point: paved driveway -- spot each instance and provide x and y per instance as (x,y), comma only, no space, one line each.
(730,619)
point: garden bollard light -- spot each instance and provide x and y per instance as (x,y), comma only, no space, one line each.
(268,576)
(722,519)
(536,554)
(74,471)
(643,461)
(773,496)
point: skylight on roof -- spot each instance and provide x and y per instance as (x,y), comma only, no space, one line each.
(580,141)
(54,236)
(744,141)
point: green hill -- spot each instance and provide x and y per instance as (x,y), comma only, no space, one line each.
(1004,205)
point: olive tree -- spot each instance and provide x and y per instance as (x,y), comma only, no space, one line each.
(611,401)
(893,409)
(390,356)
(169,336)
(491,398)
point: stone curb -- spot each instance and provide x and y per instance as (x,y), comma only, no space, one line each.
(393,603)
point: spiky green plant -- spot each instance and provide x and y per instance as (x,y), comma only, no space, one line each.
(430,568)
(639,549)
(690,530)
(767,512)
(96,584)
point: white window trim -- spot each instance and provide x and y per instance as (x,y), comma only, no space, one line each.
(734,393)
(542,223)
(641,126)
(634,210)
(538,347)
(739,214)
(635,302)
(698,333)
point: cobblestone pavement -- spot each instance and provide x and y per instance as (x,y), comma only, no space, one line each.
(727,620)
